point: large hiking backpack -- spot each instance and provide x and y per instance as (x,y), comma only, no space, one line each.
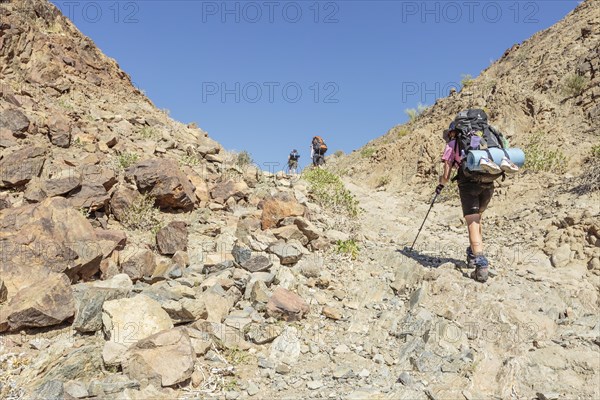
(319,145)
(474,133)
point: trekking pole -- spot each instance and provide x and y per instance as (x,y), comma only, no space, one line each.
(426,215)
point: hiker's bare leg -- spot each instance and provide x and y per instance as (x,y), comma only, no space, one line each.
(475,236)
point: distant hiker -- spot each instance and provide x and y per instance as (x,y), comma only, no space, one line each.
(472,146)
(293,161)
(318,148)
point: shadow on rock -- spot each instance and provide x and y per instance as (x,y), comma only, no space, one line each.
(429,260)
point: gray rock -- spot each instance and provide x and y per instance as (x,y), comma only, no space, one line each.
(262,333)
(88,307)
(76,389)
(257,264)
(288,253)
(342,372)
(49,390)
(241,253)
(405,379)
(314,385)
(252,389)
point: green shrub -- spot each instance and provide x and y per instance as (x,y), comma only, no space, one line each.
(189,160)
(142,215)
(467,80)
(414,113)
(596,151)
(243,159)
(403,132)
(125,160)
(574,85)
(348,247)
(148,132)
(367,152)
(538,157)
(328,190)
(383,180)
(338,153)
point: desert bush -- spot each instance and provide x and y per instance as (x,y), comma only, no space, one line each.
(142,215)
(328,190)
(126,159)
(367,152)
(348,247)
(467,80)
(538,157)
(243,159)
(383,180)
(574,85)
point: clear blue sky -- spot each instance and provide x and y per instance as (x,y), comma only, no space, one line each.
(265,76)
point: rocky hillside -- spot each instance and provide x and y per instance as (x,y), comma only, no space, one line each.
(140,260)
(546,89)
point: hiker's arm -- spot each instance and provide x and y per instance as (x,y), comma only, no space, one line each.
(446,175)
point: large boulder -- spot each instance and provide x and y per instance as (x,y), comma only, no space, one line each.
(14,120)
(137,262)
(47,302)
(59,131)
(88,306)
(60,185)
(46,237)
(172,238)
(95,184)
(18,167)
(286,305)
(274,210)
(164,359)
(127,321)
(164,181)
(238,189)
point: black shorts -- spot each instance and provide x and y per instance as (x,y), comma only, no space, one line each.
(475,197)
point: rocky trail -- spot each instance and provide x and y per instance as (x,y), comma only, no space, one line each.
(140,260)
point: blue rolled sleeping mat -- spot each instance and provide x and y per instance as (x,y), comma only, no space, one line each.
(516,156)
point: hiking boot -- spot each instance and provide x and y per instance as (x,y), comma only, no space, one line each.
(489,166)
(481,272)
(508,166)
(470,258)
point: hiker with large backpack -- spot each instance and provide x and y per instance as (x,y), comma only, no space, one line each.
(293,162)
(481,154)
(318,148)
